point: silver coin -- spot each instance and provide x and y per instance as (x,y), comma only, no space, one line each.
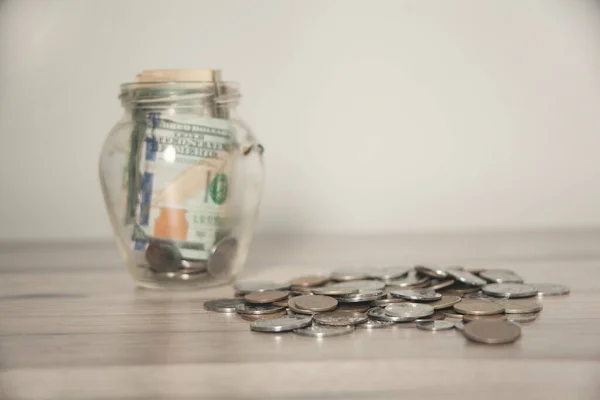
(387,273)
(550,289)
(519,306)
(386,301)
(330,290)
(320,331)
(500,276)
(466,277)
(522,318)
(453,314)
(459,325)
(361,285)
(445,302)
(340,318)
(479,295)
(350,274)
(257,309)
(374,324)
(193,266)
(223,305)
(439,284)
(409,311)
(411,280)
(431,270)
(492,332)
(435,325)
(245,287)
(509,290)
(478,307)
(281,324)
(362,296)
(221,261)
(379,313)
(416,294)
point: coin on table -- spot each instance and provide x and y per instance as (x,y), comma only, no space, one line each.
(340,318)
(245,287)
(550,289)
(409,311)
(431,270)
(281,303)
(522,318)
(223,305)
(437,284)
(509,290)
(466,277)
(300,290)
(268,296)
(492,332)
(362,297)
(309,281)
(445,302)
(480,296)
(416,294)
(256,317)
(475,271)
(450,313)
(379,313)
(281,324)
(410,280)
(437,315)
(316,303)
(374,324)
(501,276)
(459,325)
(331,290)
(361,285)
(257,309)
(350,274)
(434,325)
(460,289)
(320,331)
(358,307)
(519,306)
(292,306)
(387,273)
(470,317)
(386,301)
(221,261)
(478,307)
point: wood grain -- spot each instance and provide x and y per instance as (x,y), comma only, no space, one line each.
(72,326)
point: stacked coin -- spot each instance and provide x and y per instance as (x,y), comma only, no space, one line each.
(487,306)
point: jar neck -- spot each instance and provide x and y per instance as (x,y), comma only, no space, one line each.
(207,99)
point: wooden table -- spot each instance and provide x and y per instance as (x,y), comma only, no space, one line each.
(73,327)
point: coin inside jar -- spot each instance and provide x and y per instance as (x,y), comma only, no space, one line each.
(478,307)
(492,332)
(221,261)
(315,303)
(268,296)
(309,281)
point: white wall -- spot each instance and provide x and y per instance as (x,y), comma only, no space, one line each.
(376,115)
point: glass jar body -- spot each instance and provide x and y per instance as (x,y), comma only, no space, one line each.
(182,180)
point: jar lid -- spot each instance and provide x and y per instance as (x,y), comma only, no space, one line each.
(179,75)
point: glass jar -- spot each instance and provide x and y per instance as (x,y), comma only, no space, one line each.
(182,179)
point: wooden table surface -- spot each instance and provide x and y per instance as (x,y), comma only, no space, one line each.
(72,326)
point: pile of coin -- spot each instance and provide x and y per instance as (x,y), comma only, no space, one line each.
(487,306)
